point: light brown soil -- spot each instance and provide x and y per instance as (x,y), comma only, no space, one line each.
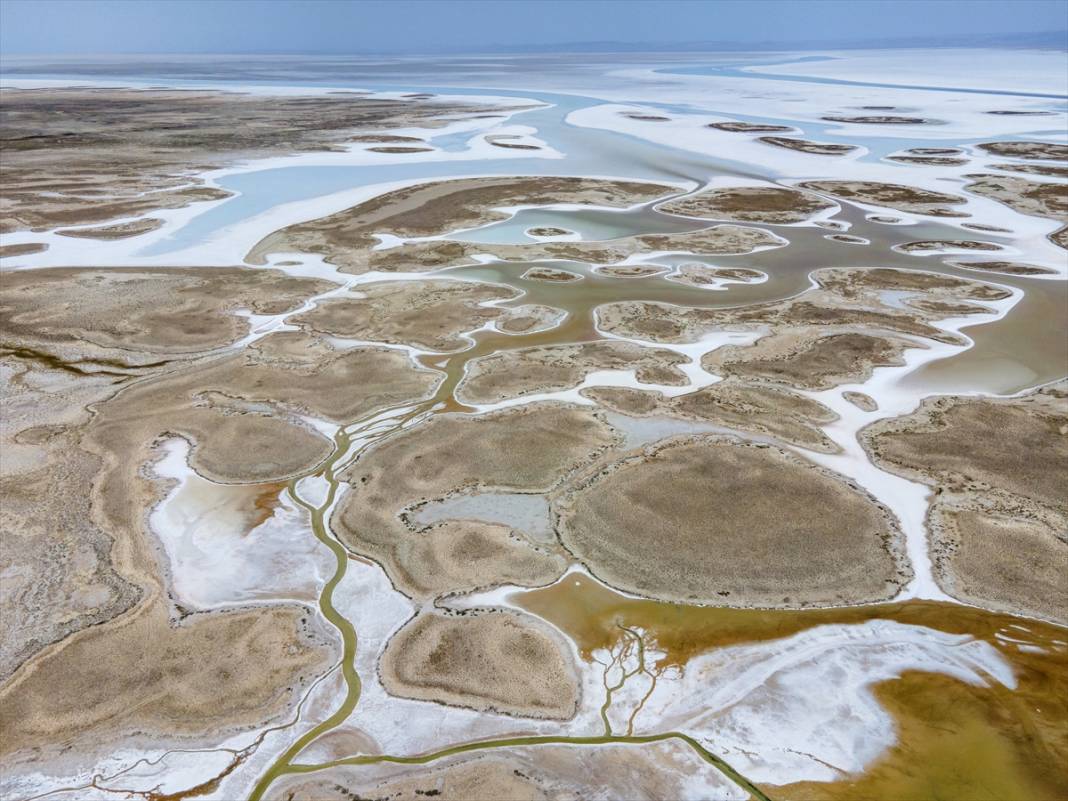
(880,119)
(929,161)
(1027,197)
(650,772)
(712,520)
(746,408)
(400,149)
(143,674)
(749,127)
(26,249)
(813,364)
(526,449)
(551,275)
(493,661)
(130,315)
(767,204)
(547,231)
(1001,505)
(120,231)
(80,156)
(631,270)
(896,196)
(701,275)
(347,238)
(426,314)
(528,318)
(1049,170)
(513,145)
(1004,267)
(862,401)
(514,373)
(808,146)
(928,245)
(843,299)
(1042,151)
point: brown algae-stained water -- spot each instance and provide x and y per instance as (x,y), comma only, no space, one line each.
(954,740)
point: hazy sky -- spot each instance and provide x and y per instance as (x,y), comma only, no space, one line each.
(362,26)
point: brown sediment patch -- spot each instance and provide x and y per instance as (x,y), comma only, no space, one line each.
(844,299)
(1013,113)
(529,318)
(632,270)
(863,401)
(126,315)
(935,151)
(1002,556)
(930,245)
(241,413)
(999,468)
(767,204)
(416,256)
(1050,170)
(547,231)
(347,238)
(749,127)
(929,161)
(1027,197)
(1004,267)
(512,145)
(59,577)
(652,771)
(486,777)
(1041,151)
(120,231)
(75,156)
(896,196)
(735,524)
(212,674)
(399,149)
(882,218)
(645,117)
(701,275)
(492,661)
(847,239)
(384,138)
(807,362)
(853,283)
(527,449)
(551,274)
(943,308)
(426,314)
(1013,444)
(808,146)
(751,409)
(984,227)
(880,119)
(24,249)
(1060,237)
(511,374)
(1011,739)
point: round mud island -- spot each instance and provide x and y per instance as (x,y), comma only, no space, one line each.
(713,520)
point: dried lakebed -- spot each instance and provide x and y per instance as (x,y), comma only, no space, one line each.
(585,507)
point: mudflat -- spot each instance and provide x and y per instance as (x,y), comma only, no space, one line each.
(715,520)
